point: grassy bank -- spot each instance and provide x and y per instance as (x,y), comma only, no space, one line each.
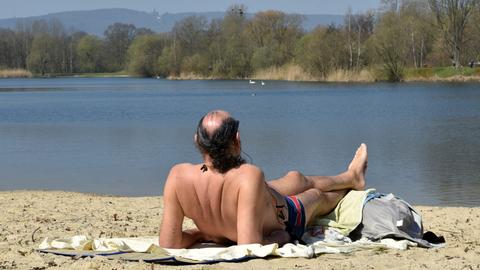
(436,74)
(15,73)
(448,74)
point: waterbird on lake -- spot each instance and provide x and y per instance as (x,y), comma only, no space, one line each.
(263,83)
(252,82)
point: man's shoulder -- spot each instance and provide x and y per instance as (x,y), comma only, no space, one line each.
(182,167)
(248,173)
(181,171)
(248,169)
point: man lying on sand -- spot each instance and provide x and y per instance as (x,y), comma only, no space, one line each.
(230,201)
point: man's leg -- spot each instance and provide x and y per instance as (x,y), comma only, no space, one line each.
(294,182)
(318,203)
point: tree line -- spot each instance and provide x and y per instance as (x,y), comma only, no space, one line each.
(401,34)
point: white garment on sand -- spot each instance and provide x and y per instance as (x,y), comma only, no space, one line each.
(150,244)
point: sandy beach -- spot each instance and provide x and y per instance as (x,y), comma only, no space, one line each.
(27,217)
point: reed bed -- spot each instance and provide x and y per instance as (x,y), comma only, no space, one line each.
(341,75)
(15,73)
(288,72)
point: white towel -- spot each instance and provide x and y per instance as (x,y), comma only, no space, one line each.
(148,244)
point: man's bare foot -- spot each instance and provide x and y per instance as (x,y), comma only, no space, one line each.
(358,167)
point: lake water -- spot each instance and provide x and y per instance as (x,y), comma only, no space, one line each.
(121,135)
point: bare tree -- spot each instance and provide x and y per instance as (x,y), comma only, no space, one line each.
(390,5)
(452,17)
(358,27)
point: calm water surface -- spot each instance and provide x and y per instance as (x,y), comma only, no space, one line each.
(121,135)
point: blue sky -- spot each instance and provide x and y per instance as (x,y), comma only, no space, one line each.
(25,8)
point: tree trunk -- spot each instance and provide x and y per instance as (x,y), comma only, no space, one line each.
(456,56)
(422,46)
(413,51)
(359,48)
(350,46)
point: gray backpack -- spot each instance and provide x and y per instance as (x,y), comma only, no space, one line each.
(386,216)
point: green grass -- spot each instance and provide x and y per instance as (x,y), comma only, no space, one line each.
(451,71)
(441,72)
(419,72)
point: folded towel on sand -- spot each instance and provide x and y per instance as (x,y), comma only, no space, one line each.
(84,246)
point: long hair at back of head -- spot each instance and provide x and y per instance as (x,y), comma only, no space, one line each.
(219,145)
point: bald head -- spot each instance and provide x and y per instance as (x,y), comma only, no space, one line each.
(213,120)
(217,136)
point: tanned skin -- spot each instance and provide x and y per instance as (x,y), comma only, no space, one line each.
(239,206)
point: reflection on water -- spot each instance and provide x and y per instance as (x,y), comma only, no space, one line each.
(121,136)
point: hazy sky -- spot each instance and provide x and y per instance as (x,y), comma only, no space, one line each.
(24,8)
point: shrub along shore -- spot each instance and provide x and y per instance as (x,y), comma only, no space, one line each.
(295,73)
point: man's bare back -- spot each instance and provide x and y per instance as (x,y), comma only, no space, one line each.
(215,202)
(237,205)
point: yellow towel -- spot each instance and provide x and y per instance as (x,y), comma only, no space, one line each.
(348,213)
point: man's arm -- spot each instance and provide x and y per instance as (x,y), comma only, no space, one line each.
(171,235)
(249,212)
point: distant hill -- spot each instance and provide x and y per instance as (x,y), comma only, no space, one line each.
(96,21)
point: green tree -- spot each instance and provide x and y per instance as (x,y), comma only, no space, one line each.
(22,43)
(143,55)
(273,35)
(390,44)
(7,50)
(90,53)
(166,63)
(41,58)
(190,35)
(196,64)
(234,50)
(118,38)
(322,51)
(189,42)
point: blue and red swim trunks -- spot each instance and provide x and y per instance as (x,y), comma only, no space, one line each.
(296,218)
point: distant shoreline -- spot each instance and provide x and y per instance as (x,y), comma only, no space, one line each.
(288,73)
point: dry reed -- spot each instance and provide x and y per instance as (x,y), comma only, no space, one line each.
(289,72)
(191,76)
(341,75)
(15,73)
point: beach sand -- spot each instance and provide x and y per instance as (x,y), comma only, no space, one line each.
(26,217)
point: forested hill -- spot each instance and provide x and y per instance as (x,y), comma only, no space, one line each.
(96,21)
